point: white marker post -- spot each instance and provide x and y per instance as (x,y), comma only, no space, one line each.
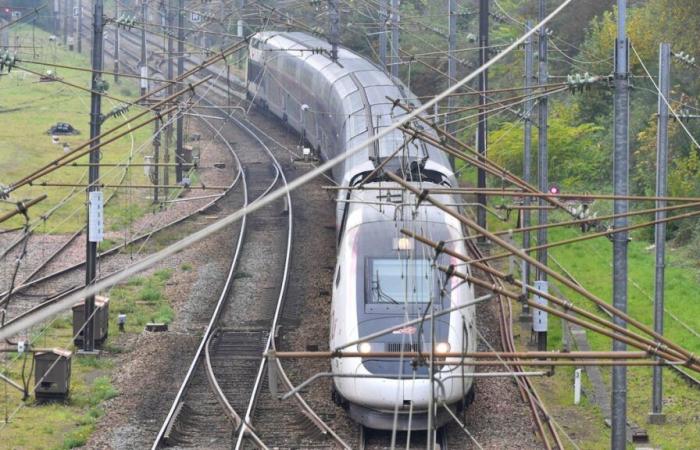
(577,386)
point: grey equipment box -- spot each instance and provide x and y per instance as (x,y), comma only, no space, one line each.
(101,320)
(52,374)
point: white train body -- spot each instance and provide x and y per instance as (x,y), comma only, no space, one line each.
(382,278)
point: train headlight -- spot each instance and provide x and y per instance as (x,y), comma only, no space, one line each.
(364,347)
(442,348)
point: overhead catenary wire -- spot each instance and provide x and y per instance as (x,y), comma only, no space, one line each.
(197,236)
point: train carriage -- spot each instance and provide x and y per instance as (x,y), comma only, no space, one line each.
(382,278)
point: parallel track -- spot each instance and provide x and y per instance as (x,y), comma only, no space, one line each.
(238,346)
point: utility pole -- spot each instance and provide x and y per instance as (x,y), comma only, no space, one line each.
(451,60)
(64,7)
(382,33)
(542,169)
(169,92)
(395,38)
(527,159)
(483,126)
(334,34)
(657,416)
(180,70)
(620,208)
(56,17)
(156,155)
(143,62)
(116,44)
(95,219)
(80,26)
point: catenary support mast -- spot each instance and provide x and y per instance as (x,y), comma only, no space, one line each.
(94,202)
(657,415)
(620,187)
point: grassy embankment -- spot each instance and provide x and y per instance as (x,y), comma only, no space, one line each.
(70,424)
(589,262)
(28,109)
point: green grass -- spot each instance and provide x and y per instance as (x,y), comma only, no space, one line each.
(589,262)
(69,425)
(28,108)
(143,300)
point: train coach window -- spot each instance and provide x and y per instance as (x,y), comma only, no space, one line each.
(399,281)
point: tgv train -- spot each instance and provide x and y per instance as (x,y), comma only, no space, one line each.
(382,278)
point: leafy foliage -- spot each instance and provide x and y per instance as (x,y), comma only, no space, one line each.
(580,161)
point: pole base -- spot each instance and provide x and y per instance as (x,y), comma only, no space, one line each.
(656,418)
(82,352)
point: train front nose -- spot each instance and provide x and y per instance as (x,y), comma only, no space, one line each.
(399,399)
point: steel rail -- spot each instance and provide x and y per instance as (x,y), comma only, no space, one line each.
(271,344)
(211,326)
(63,271)
(75,235)
(303,405)
(212,378)
(525,387)
(220,396)
(211,375)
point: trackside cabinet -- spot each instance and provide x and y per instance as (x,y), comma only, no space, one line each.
(52,369)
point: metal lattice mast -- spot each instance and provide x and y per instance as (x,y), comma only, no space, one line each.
(180,132)
(382,33)
(527,154)
(395,38)
(542,163)
(620,188)
(656,415)
(94,203)
(483,126)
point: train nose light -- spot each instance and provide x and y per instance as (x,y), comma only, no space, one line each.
(364,347)
(402,243)
(442,348)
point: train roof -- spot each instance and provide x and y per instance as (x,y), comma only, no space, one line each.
(353,74)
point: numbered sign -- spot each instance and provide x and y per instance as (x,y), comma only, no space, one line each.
(195,17)
(539,317)
(96,212)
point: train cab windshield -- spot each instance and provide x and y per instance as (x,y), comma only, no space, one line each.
(398,281)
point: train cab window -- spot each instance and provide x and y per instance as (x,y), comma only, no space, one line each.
(398,281)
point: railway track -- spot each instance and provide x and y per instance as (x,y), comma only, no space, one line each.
(544,427)
(71,288)
(227,365)
(71,239)
(225,344)
(230,359)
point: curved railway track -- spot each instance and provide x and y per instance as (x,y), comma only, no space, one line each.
(239,351)
(221,345)
(53,255)
(113,251)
